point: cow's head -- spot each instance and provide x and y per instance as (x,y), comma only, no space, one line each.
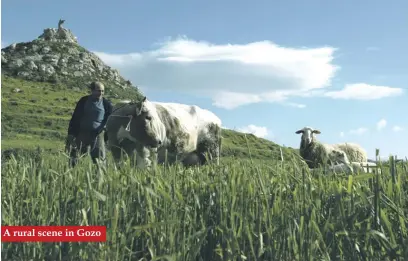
(146,125)
(308,135)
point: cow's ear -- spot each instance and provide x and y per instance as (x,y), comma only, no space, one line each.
(144,99)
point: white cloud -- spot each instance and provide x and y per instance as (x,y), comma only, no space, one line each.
(4,44)
(231,74)
(342,134)
(359,131)
(231,100)
(258,131)
(297,105)
(397,128)
(381,124)
(363,91)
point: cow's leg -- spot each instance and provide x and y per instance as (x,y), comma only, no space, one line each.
(210,142)
(141,160)
(193,158)
(145,157)
(116,152)
(123,150)
(128,149)
(207,147)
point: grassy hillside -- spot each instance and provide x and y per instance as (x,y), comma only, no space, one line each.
(37,114)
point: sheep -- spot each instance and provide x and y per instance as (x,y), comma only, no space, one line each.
(351,167)
(344,164)
(315,152)
(341,164)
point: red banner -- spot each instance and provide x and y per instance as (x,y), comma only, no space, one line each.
(53,234)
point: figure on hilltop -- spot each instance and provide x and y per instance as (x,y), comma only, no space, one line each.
(60,22)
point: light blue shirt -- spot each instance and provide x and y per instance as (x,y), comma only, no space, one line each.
(94,113)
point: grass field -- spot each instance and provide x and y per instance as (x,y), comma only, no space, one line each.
(254,206)
(236,211)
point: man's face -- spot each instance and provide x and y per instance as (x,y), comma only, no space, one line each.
(98,92)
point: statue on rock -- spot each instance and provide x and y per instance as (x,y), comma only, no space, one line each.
(60,24)
(59,34)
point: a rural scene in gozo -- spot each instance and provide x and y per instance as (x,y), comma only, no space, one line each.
(204,130)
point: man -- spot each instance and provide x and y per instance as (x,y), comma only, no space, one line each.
(87,125)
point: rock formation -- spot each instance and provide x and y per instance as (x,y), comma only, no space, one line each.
(55,56)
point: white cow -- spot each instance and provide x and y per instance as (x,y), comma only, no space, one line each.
(187,132)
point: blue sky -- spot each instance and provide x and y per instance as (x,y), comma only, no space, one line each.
(268,67)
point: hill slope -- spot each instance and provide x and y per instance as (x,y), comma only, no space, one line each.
(37,114)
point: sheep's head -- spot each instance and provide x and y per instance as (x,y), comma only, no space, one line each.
(308,135)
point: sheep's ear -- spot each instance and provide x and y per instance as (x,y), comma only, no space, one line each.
(316,131)
(299,131)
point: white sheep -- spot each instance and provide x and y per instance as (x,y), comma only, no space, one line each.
(315,152)
(354,168)
(357,167)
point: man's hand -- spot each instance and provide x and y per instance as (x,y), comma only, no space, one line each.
(69,142)
(70,138)
(98,131)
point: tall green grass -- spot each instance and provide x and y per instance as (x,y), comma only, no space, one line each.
(239,210)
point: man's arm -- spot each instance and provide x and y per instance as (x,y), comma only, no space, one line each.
(75,119)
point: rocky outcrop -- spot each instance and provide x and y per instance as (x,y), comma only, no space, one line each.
(55,56)
(58,35)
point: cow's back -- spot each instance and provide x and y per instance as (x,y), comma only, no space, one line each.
(195,123)
(191,117)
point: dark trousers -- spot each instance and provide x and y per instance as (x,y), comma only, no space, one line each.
(84,142)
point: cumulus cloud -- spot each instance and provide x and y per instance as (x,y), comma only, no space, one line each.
(231,74)
(359,131)
(258,131)
(231,100)
(363,91)
(381,124)
(397,128)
